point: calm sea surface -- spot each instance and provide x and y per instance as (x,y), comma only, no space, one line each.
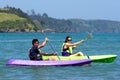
(16,45)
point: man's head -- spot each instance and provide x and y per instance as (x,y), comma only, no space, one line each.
(35,42)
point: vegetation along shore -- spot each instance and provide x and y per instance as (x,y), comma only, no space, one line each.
(15,20)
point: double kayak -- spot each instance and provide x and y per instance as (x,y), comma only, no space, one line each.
(48,63)
(97,58)
(64,60)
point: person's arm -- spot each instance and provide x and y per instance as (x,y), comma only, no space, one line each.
(70,44)
(43,43)
(79,42)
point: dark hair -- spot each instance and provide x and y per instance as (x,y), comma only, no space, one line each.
(34,40)
(67,38)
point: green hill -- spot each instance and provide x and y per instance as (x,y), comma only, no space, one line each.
(10,17)
(11,20)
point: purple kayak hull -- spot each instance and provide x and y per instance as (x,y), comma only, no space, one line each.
(48,63)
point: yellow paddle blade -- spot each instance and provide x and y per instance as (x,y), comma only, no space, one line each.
(89,36)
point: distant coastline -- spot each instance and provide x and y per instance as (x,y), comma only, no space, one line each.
(15,20)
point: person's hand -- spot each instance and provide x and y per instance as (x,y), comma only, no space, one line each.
(82,41)
(46,39)
(74,46)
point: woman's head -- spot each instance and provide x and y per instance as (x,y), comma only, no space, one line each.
(68,38)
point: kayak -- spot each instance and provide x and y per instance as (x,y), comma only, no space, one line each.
(48,63)
(96,58)
(64,60)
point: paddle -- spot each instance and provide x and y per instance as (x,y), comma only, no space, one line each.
(39,26)
(87,38)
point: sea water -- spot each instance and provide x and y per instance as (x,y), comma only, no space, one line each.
(16,46)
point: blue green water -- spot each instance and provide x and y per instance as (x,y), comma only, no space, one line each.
(16,45)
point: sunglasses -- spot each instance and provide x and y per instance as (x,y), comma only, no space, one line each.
(70,40)
(37,43)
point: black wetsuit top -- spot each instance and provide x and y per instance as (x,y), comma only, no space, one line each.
(34,54)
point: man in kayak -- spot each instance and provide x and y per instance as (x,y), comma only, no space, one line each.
(34,53)
(68,46)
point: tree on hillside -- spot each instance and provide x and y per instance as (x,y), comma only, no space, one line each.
(14,10)
(45,15)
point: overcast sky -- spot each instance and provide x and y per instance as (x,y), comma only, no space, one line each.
(65,9)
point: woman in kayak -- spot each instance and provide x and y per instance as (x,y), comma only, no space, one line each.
(68,46)
(34,53)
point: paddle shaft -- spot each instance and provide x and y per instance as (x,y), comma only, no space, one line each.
(87,38)
(37,23)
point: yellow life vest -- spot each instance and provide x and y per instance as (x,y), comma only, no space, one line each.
(69,49)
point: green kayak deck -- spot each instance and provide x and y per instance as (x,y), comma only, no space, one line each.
(96,58)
